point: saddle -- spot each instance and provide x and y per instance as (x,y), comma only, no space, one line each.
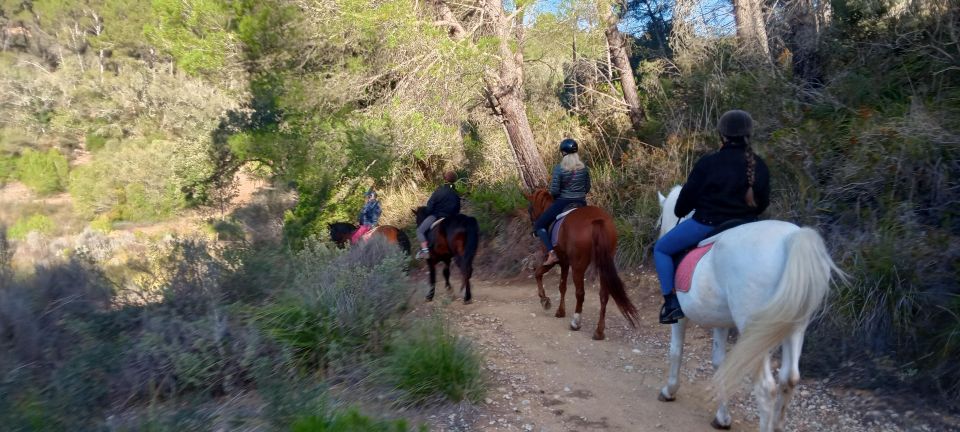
(686,261)
(558,222)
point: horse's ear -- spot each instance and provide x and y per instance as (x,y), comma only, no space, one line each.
(662,198)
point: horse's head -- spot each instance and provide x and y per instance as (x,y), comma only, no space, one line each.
(419,213)
(668,220)
(539,200)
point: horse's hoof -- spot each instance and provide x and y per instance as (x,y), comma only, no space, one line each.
(573,327)
(560,314)
(717,425)
(428,298)
(545,302)
(467,301)
(598,336)
(662,398)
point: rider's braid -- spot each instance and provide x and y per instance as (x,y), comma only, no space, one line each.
(751,172)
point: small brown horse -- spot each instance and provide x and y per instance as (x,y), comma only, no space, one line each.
(456,238)
(587,234)
(340,233)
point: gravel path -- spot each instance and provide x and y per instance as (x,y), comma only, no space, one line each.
(545,377)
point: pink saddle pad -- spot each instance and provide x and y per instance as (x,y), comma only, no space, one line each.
(687,265)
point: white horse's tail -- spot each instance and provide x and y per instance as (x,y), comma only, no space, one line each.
(802,288)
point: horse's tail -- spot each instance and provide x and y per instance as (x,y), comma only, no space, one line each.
(472,230)
(404,241)
(609,279)
(802,288)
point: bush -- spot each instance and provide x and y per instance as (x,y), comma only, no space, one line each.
(348,421)
(8,168)
(137,181)
(37,222)
(338,308)
(44,172)
(429,363)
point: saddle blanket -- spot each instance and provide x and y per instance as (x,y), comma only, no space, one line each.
(367,235)
(555,228)
(684,275)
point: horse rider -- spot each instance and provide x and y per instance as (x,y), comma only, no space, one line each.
(732,183)
(369,215)
(444,203)
(569,185)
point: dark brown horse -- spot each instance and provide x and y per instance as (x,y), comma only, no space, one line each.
(587,234)
(456,238)
(340,233)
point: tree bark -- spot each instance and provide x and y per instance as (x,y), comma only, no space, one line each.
(802,40)
(505,89)
(616,43)
(448,19)
(751,27)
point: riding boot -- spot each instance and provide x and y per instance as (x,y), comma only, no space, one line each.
(429,296)
(670,312)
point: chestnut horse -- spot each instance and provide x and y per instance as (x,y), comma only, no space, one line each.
(340,233)
(587,235)
(456,238)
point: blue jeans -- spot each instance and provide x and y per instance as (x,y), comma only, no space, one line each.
(543,222)
(683,236)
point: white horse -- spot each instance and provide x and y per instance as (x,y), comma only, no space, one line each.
(767,279)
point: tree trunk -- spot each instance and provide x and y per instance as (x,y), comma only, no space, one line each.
(616,43)
(802,40)
(530,165)
(506,92)
(751,27)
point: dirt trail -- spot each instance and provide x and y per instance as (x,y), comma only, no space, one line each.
(546,377)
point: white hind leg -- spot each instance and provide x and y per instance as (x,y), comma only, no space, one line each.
(765,391)
(677,333)
(722,420)
(789,377)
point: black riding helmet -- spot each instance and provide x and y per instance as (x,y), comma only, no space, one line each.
(568,146)
(735,123)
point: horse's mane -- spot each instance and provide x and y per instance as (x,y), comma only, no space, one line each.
(541,199)
(667,219)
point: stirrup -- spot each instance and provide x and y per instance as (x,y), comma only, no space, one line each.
(423,253)
(670,317)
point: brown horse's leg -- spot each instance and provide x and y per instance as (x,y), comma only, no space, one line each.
(466,272)
(433,277)
(561,309)
(544,300)
(602,321)
(578,273)
(446,274)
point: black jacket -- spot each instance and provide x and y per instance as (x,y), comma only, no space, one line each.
(444,202)
(570,184)
(717,187)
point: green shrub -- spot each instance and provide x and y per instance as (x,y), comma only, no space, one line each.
(44,172)
(490,204)
(338,307)
(8,168)
(37,222)
(95,141)
(430,363)
(348,421)
(136,181)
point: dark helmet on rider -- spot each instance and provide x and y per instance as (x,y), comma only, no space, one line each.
(370,193)
(735,123)
(450,177)
(568,146)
